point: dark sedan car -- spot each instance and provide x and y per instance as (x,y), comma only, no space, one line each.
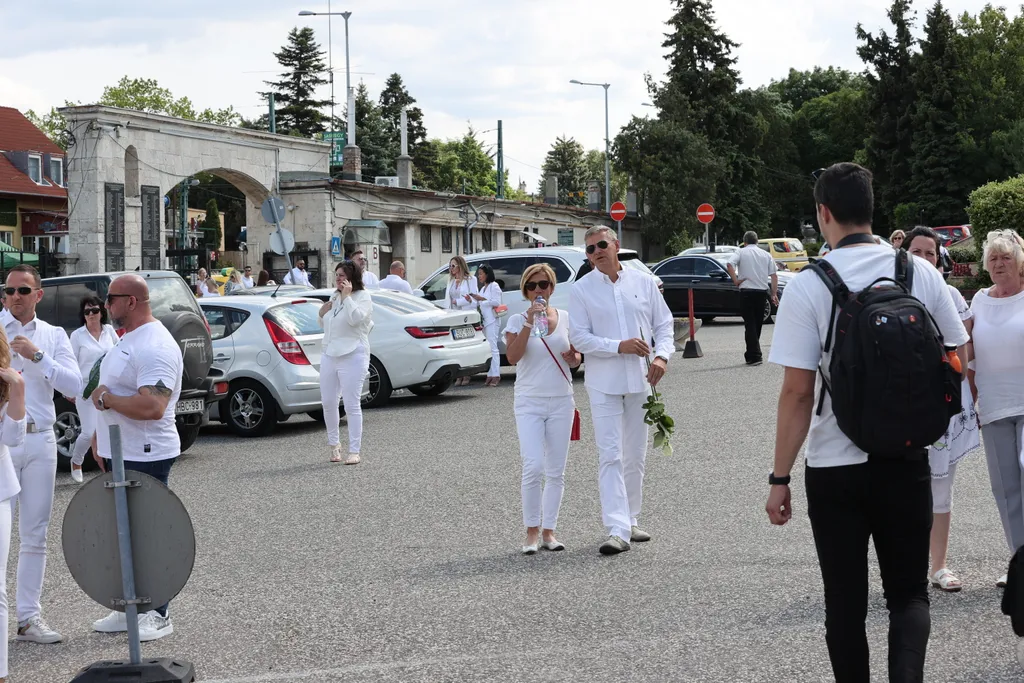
(714,293)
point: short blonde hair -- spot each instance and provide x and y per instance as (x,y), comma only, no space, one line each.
(1004,242)
(533,270)
(897,233)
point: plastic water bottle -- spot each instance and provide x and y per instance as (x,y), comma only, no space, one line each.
(540,321)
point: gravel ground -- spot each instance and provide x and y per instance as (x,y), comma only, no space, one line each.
(407,567)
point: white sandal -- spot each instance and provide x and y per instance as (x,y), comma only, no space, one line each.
(947,581)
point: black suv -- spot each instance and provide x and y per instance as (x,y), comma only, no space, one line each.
(176,308)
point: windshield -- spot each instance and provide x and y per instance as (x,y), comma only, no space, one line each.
(788,246)
(170,295)
(297,319)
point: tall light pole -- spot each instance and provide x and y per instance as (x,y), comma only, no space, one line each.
(351,136)
(607,145)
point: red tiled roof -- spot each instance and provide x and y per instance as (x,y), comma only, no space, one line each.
(13,181)
(17,134)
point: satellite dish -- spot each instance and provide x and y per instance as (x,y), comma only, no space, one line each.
(282,242)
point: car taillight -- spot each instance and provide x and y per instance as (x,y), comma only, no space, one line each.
(220,388)
(428,332)
(289,349)
(478,327)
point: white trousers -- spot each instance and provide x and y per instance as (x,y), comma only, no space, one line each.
(35,463)
(5,547)
(544,426)
(622,451)
(942,492)
(491,331)
(88,415)
(341,378)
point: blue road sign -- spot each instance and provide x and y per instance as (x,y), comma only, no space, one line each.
(335,246)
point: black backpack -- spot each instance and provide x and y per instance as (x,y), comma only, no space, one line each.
(893,389)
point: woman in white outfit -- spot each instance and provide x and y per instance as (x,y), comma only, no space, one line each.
(961,437)
(998,375)
(460,294)
(201,278)
(12,433)
(489,297)
(345,359)
(544,406)
(89,343)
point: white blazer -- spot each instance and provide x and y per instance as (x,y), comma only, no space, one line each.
(347,325)
(456,295)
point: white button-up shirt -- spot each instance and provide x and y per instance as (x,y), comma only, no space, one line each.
(396,284)
(248,282)
(297,276)
(58,370)
(603,313)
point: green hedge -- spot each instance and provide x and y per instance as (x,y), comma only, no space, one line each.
(997,206)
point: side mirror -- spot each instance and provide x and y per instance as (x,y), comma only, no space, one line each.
(418,292)
(719,275)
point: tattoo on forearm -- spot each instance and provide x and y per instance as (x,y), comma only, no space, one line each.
(160,389)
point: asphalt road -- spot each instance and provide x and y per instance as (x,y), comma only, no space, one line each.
(407,567)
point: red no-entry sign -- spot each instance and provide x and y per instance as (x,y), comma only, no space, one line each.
(618,211)
(705,213)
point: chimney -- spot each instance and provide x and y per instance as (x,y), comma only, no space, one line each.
(631,208)
(594,195)
(405,161)
(551,189)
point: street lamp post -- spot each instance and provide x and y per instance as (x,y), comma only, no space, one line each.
(349,98)
(607,155)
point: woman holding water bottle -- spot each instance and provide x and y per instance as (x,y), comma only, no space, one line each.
(460,294)
(537,343)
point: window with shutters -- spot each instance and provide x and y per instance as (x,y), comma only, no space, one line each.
(425,238)
(446,240)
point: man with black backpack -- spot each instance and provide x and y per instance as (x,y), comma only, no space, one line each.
(872,329)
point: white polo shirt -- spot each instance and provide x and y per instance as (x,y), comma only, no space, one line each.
(755,266)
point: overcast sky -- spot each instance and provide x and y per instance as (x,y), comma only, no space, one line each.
(473,61)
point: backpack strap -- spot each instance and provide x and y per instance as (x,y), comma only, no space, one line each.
(840,295)
(905,270)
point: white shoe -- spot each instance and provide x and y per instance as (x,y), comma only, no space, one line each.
(152,626)
(76,474)
(115,622)
(35,630)
(1001,583)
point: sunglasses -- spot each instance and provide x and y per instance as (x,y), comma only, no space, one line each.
(92,311)
(24,291)
(543,284)
(111,297)
(602,245)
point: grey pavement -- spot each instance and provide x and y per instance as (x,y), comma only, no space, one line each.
(407,567)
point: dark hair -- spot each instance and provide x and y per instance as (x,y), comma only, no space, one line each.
(353,272)
(922,231)
(263,279)
(94,301)
(846,190)
(25,268)
(487,271)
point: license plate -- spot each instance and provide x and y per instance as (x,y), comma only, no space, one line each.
(463,333)
(192,405)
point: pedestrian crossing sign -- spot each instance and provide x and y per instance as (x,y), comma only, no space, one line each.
(335,246)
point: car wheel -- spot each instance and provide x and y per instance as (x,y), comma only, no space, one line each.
(66,428)
(434,389)
(249,409)
(188,433)
(380,385)
(768,311)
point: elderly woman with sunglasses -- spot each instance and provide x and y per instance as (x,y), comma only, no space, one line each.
(544,406)
(89,343)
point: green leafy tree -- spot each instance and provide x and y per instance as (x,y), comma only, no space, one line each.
(800,87)
(594,161)
(460,165)
(831,128)
(997,206)
(567,160)
(52,124)
(296,108)
(211,225)
(145,94)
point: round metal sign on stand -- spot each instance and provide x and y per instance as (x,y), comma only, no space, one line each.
(282,242)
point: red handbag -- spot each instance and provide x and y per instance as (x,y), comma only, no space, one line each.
(574,435)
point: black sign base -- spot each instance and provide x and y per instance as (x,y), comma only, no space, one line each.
(162,670)
(692,349)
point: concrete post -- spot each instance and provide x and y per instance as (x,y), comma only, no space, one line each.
(352,168)
(551,189)
(594,195)
(405,161)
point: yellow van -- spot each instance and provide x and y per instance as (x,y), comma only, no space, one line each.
(788,251)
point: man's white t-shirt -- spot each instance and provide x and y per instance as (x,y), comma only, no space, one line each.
(146,356)
(248,282)
(754,266)
(801,327)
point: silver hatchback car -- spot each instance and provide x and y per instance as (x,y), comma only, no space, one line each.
(268,350)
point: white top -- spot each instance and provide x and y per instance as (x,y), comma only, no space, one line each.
(370,281)
(395,283)
(347,325)
(58,370)
(296,276)
(755,265)
(145,357)
(998,355)
(602,313)
(963,309)
(210,294)
(88,349)
(493,293)
(536,374)
(248,282)
(457,291)
(12,433)
(802,325)
(203,291)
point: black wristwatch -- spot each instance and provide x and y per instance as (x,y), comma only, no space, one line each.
(778,481)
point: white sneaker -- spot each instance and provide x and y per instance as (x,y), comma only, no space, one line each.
(76,474)
(35,630)
(152,626)
(115,622)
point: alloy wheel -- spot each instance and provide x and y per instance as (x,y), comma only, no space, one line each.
(247,409)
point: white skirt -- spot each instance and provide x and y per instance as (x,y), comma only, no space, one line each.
(962,436)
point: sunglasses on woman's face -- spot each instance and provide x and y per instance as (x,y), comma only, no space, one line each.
(543,284)
(92,311)
(602,245)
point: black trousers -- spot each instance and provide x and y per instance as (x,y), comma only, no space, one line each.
(889,501)
(752,303)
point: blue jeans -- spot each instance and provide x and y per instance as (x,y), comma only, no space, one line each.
(159,470)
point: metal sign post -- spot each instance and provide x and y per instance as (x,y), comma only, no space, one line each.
(273,212)
(124,543)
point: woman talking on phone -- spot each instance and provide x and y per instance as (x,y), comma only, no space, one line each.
(12,433)
(345,358)
(544,406)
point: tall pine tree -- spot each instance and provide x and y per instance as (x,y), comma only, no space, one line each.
(298,112)
(377,145)
(937,185)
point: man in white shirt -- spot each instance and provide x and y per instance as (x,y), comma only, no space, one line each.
(753,270)
(247,280)
(615,315)
(42,354)
(298,275)
(370,280)
(140,382)
(395,279)
(851,496)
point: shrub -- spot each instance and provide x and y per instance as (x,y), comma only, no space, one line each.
(997,206)
(965,255)
(812,248)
